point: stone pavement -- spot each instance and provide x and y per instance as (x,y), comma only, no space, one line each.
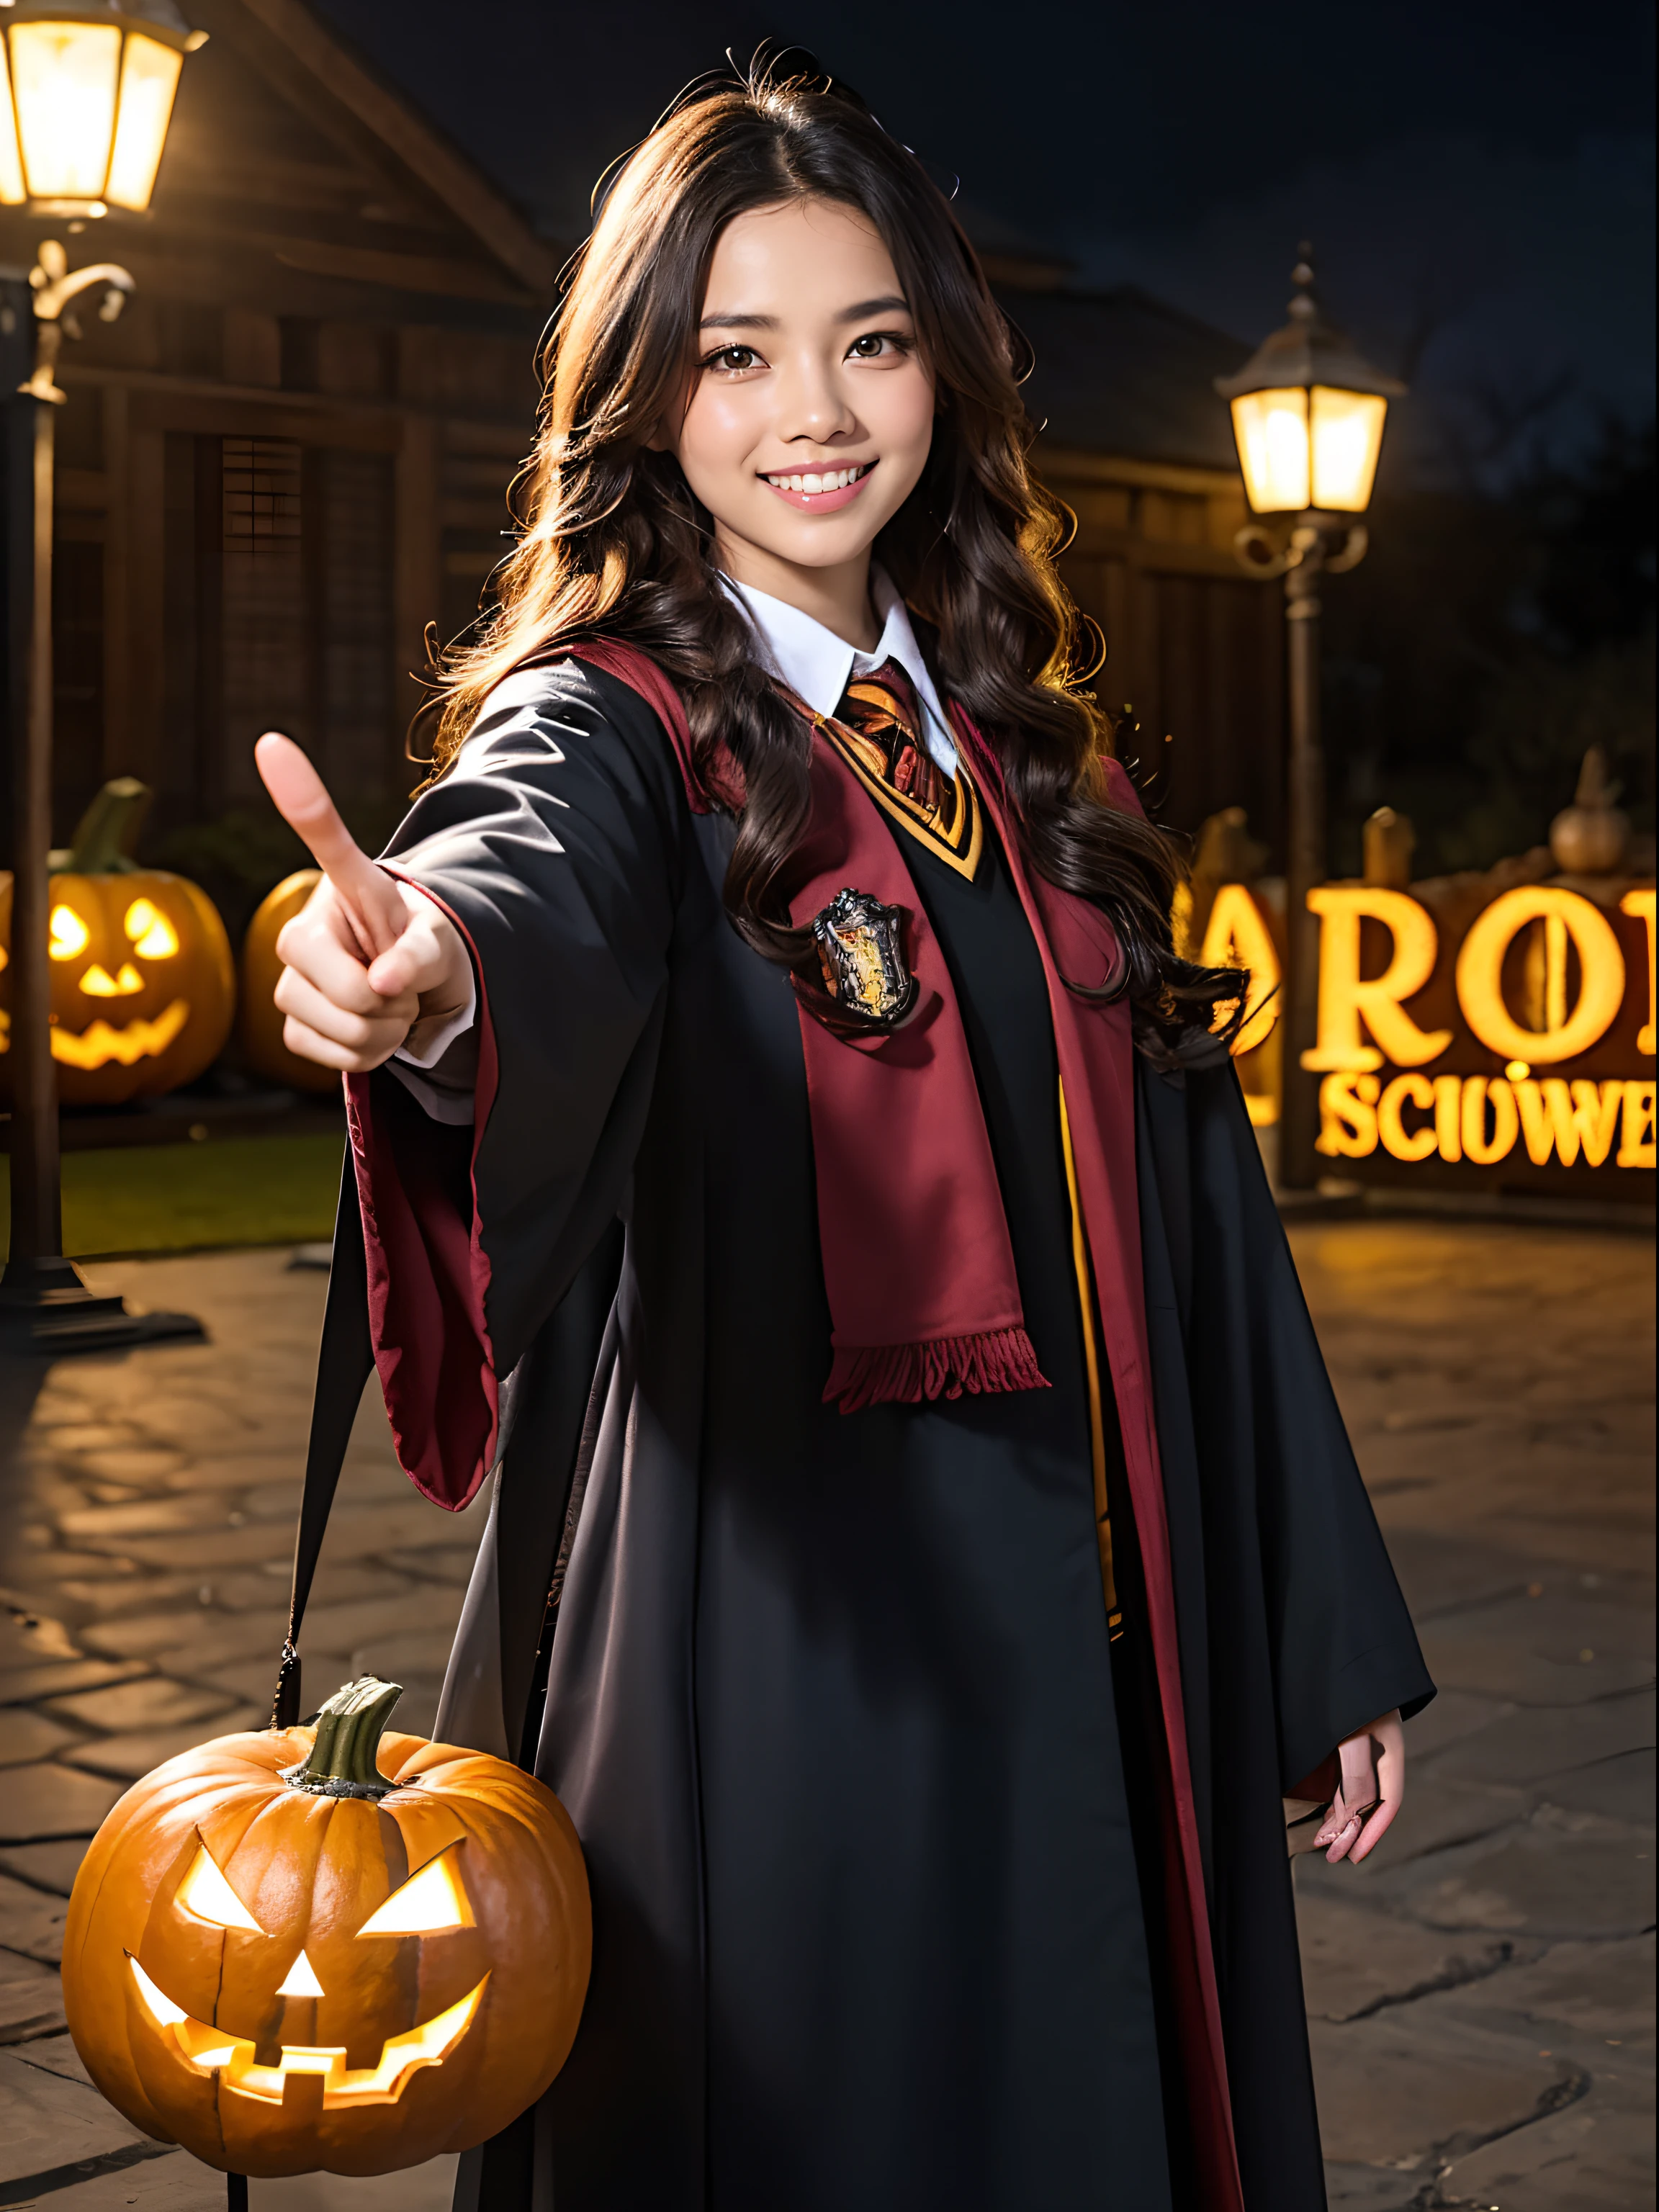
(1481,1989)
(147,1511)
(1480,1992)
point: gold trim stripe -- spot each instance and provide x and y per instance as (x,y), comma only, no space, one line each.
(1085,1291)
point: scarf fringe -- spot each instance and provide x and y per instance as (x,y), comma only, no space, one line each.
(906,1374)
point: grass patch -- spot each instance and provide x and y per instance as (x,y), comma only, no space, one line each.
(176,1198)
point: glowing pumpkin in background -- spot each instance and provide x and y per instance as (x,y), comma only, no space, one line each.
(259,1028)
(143,986)
(306,1948)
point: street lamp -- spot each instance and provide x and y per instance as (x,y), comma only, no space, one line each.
(86,96)
(1308,412)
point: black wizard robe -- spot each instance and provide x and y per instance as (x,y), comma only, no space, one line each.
(866,1788)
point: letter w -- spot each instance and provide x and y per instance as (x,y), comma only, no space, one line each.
(1555,1119)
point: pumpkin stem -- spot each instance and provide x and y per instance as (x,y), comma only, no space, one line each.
(341,1760)
(106,832)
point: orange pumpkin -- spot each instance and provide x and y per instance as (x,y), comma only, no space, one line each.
(259,1030)
(305,1948)
(143,985)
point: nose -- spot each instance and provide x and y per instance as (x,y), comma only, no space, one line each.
(301,1981)
(812,406)
(98,983)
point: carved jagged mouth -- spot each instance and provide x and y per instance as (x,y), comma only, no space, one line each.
(100,1042)
(211,2051)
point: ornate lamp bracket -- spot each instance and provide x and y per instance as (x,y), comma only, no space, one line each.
(55,284)
(1312,541)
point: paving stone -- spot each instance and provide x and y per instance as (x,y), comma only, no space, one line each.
(255,1680)
(275,1501)
(430,1615)
(27,1637)
(128,1757)
(31,1921)
(150,1516)
(1539,1881)
(21,1684)
(450,1563)
(1364,2189)
(1400,2087)
(1600,1994)
(1438,1811)
(1527,1745)
(136,1464)
(351,1535)
(53,1800)
(1440,1573)
(343,1582)
(1619,1789)
(48,1866)
(47,2122)
(152,1702)
(1543,1651)
(199,1631)
(87,1436)
(58,2055)
(235,1475)
(1454,1715)
(30,1999)
(26,1735)
(1596,2155)
(106,1598)
(47,1569)
(1354,1961)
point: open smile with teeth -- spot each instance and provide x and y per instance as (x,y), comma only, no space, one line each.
(212,2051)
(817,487)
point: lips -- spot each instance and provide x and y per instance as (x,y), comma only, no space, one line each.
(211,2051)
(791,486)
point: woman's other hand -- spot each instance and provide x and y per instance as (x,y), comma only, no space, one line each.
(370,955)
(1373,1788)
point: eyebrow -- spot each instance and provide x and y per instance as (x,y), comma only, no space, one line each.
(893,304)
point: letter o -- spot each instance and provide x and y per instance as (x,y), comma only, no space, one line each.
(1481,974)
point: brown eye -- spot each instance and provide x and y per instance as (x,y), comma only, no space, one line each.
(734,358)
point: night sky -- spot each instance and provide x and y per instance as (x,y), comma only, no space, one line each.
(1478,179)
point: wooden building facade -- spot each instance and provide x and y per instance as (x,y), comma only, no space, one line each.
(292,454)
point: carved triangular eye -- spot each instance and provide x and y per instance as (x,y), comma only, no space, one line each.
(205,1893)
(427,1902)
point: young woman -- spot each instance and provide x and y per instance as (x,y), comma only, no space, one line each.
(955,1550)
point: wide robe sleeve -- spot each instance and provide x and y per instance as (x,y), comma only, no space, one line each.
(554,844)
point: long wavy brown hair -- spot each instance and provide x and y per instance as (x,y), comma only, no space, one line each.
(614,544)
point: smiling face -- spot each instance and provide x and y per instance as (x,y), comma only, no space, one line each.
(283,1981)
(431,1902)
(143,987)
(810,414)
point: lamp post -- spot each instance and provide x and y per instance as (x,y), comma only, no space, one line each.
(86,95)
(1308,413)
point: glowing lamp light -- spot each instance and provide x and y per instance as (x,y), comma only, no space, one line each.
(86,96)
(1308,413)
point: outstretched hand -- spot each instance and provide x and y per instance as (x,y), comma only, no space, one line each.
(370,955)
(1373,1788)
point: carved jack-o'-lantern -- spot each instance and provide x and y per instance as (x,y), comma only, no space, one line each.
(143,988)
(305,1948)
(260,1025)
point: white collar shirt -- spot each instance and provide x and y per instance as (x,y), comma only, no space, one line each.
(818,665)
